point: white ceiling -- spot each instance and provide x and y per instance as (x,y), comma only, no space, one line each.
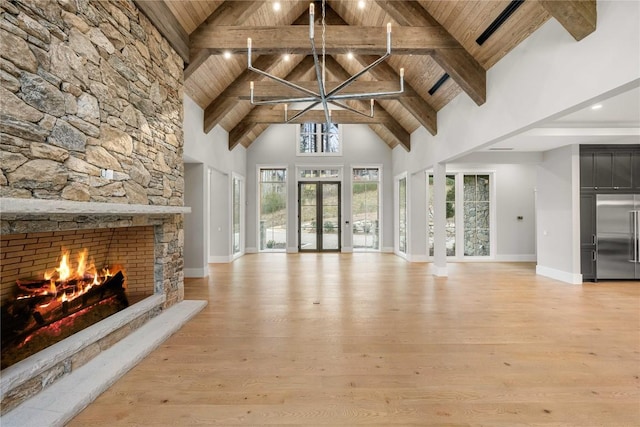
(616,122)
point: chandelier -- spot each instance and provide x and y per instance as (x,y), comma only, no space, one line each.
(322,97)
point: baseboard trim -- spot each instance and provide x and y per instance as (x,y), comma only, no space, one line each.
(387,250)
(251,250)
(292,250)
(563,276)
(516,258)
(347,250)
(196,272)
(219,259)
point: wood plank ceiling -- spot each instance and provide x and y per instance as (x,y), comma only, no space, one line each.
(432,39)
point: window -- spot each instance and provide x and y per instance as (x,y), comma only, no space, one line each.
(451,215)
(273,209)
(476,215)
(237,214)
(365,208)
(468,214)
(320,173)
(316,138)
(402,215)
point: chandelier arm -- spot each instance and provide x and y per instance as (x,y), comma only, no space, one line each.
(284,101)
(349,108)
(353,78)
(283,81)
(300,113)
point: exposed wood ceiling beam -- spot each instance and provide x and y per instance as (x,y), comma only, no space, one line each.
(161,17)
(578,17)
(339,39)
(228,13)
(454,60)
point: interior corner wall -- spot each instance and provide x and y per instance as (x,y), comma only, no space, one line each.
(277,146)
(211,150)
(558,215)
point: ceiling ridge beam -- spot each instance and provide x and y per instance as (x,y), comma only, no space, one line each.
(228,13)
(578,17)
(454,59)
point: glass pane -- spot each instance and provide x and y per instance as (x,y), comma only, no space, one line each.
(236,215)
(477,221)
(273,211)
(365,211)
(450,182)
(308,215)
(308,138)
(330,226)
(402,217)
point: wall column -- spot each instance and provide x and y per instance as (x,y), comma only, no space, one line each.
(439,220)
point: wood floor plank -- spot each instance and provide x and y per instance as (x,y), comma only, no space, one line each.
(389,344)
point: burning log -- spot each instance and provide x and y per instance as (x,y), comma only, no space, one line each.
(26,315)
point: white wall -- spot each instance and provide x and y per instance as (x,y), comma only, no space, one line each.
(195,259)
(558,215)
(277,147)
(218,163)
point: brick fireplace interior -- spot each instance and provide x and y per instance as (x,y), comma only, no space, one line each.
(31,254)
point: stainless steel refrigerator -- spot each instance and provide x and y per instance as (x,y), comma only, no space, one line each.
(618,236)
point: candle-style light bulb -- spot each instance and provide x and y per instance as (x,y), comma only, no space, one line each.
(249,51)
(311,20)
(401,72)
(389,38)
(389,28)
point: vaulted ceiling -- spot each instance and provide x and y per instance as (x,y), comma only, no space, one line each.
(437,42)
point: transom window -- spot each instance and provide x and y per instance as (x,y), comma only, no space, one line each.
(317,139)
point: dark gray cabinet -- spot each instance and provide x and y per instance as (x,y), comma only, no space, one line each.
(607,170)
(588,236)
(604,169)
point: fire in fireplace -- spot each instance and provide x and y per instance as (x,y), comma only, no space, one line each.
(58,303)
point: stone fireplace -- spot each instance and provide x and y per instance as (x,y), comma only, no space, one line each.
(145,240)
(90,148)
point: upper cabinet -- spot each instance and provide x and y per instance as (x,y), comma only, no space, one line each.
(610,168)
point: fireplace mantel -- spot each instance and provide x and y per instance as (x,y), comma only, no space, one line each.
(14,206)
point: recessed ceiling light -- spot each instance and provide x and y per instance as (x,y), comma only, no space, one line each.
(350,55)
(276,6)
(596,106)
(361,4)
(227,55)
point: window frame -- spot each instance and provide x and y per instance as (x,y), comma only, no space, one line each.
(459,215)
(318,136)
(380,205)
(260,167)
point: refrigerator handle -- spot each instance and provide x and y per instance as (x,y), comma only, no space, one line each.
(593,239)
(635,234)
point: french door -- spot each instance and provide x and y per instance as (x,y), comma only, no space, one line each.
(319,216)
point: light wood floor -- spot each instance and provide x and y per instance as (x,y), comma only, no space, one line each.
(388,344)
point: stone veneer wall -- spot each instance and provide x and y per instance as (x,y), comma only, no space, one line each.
(90,85)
